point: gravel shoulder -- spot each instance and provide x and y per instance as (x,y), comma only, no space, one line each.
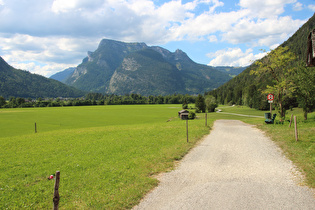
(235,167)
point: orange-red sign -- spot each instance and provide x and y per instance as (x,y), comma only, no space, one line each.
(270,97)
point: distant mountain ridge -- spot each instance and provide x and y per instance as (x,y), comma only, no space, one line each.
(63,75)
(123,68)
(19,83)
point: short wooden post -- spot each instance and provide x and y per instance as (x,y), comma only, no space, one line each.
(295,128)
(206,119)
(35,128)
(56,192)
(187,129)
(291,120)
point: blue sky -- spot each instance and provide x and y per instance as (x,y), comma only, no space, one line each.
(48,36)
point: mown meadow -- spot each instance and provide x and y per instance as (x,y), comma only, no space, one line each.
(108,156)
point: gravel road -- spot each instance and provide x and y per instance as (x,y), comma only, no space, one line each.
(235,167)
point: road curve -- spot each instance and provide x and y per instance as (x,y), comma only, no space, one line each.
(235,167)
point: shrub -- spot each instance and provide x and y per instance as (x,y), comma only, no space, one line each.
(191,115)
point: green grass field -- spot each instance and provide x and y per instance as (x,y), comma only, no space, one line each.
(108,155)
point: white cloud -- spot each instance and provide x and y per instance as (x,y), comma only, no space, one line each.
(262,31)
(61,31)
(266,8)
(234,57)
(312,7)
(65,6)
(206,24)
(216,3)
(212,38)
(45,70)
(297,6)
(52,54)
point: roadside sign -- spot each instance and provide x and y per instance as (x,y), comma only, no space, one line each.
(270,97)
(270,101)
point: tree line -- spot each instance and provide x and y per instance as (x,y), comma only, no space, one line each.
(97,99)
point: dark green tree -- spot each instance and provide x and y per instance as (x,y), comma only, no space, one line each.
(211,103)
(304,79)
(2,101)
(200,104)
(185,104)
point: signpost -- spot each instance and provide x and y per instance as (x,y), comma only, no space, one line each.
(270,98)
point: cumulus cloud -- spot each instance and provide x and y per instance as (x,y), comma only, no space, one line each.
(297,6)
(312,7)
(234,57)
(262,31)
(265,9)
(212,38)
(52,54)
(42,69)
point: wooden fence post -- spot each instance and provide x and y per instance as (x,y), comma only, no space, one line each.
(295,128)
(56,192)
(206,119)
(187,129)
(291,120)
(35,128)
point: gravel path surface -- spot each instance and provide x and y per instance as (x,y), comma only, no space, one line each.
(235,167)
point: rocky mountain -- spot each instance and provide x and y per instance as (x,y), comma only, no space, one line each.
(19,83)
(63,75)
(123,68)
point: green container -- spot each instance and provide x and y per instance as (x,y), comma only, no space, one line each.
(268,115)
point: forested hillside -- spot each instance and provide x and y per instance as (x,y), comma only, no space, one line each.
(19,83)
(246,89)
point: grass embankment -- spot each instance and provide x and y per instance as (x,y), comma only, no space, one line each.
(106,155)
(301,152)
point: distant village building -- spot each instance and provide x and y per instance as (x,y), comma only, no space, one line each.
(183,114)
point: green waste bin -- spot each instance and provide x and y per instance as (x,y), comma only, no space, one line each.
(268,115)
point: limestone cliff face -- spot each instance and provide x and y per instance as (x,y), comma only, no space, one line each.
(123,68)
(96,70)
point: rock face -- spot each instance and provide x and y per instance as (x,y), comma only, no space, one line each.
(124,68)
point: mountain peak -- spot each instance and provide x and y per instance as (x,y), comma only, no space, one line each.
(114,43)
(180,55)
(117,67)
(4,65)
